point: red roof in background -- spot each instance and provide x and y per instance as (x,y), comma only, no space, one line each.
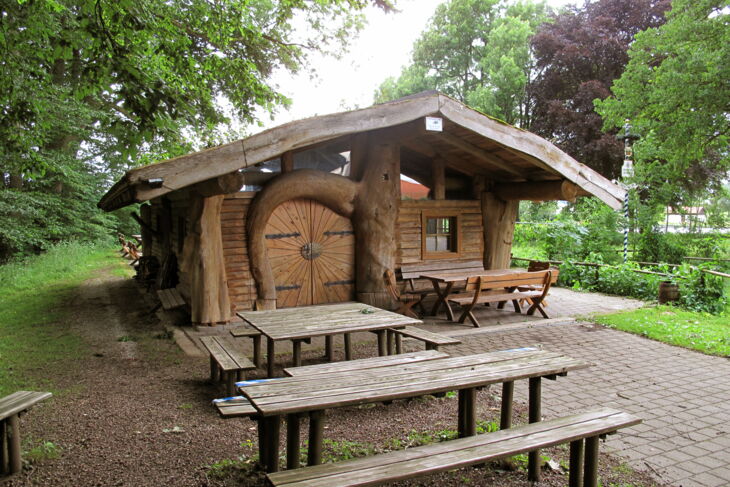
(413,190)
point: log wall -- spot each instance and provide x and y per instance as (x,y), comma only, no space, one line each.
(409,228)
(241,285)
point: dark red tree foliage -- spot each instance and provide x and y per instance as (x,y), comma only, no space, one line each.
(577,58)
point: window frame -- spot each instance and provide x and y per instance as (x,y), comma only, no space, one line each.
(446,254)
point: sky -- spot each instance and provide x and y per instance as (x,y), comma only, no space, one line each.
(381,50)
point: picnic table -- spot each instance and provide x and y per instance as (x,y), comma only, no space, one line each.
(450,278)
(302,324)
(313,394)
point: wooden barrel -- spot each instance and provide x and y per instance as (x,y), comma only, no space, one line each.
(668,292)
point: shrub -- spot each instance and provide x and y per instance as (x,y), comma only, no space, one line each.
(703,292)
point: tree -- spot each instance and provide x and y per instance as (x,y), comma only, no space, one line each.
(88,87)
(675,91)
(476,51)
(578,55)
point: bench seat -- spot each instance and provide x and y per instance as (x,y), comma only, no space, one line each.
(228,360)
(472,450)
(234,407)
(10,408)
(170,298)
(432,340)
(365,363)
(247,331)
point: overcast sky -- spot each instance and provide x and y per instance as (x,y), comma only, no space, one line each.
(381,50)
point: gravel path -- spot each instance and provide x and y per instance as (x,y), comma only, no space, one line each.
(135,411)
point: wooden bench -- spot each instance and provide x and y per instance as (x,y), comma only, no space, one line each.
(484,292)
(10,409)
(472,450)
(365,363)
(432,340)
(247,331)
(411,272)
(170,298)
(228,361)
(234,407)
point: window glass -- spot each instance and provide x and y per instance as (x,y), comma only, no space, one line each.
(440,235)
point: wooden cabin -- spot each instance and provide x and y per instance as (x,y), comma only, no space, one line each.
(311,212)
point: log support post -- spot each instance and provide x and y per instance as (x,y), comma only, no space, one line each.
(499,218)
(508,392)
(438,169)
(377,167)
(203,262)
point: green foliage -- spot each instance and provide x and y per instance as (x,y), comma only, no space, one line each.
(703,292)
(33,291)
(674,91)
(89,89)
(695,330)
(47,450)
(478,52)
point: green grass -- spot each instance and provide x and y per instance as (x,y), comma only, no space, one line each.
(703,332)
(35,300)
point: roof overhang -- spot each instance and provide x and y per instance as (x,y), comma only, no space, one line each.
(525,151)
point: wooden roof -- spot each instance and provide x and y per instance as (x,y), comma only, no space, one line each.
(470,144)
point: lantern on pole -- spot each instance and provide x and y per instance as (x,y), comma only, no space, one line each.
(627,173)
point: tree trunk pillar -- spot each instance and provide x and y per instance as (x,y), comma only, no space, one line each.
(203,261)
(499,227)
(377,168)
(145,214)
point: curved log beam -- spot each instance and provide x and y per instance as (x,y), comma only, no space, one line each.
(335,192)
(537,191)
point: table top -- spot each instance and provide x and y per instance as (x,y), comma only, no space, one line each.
(317,392)
(324,319)
(493,274)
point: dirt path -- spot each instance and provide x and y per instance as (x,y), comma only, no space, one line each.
(119,399)
(135,411)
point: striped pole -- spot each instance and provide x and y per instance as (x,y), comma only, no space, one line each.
(626,227)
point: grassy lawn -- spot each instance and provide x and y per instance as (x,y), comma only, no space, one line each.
(698,331)
(35,300)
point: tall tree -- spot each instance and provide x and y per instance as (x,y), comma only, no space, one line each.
(89,86)
(478,52)
(578,55)
(676,93)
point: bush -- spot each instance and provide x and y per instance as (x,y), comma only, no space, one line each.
(703,292)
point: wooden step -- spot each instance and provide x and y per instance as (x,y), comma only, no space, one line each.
(462,452)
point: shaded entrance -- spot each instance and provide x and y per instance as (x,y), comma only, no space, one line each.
(311,250)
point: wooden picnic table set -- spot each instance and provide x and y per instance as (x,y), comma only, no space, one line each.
(307,392)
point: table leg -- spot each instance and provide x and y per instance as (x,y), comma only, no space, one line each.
(257,351)
(3,447)
(271,443)
(441,295)
(382,350)
(348,346)
(575,478)
(391,341)
(467,412)
(270,356)
(535,413)
(296,353)
(398,343)
(316,434)
(214,371)
(590,472)
(292,440)
(13,425)
(329,346)
(508,393)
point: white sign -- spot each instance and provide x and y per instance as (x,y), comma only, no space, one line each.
(434,124)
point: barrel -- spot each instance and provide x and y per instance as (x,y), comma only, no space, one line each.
(668,292)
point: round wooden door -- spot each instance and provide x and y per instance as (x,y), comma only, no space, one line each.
(312,254)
